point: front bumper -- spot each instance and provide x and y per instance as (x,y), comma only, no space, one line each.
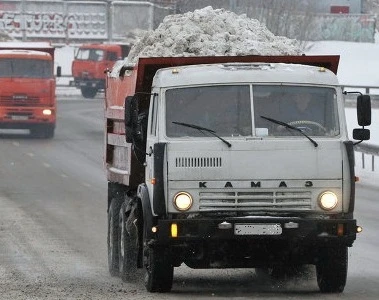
(26,117)
(306,232)
(87,83)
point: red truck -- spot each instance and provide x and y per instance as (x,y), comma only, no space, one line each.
(27,87)
(90,62)
(204,169)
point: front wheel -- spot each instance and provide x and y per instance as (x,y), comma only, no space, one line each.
(159,271)
(331,269)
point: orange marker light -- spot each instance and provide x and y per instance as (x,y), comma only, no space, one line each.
(340,230)
(152,181)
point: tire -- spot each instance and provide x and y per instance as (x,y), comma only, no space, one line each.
(112,238)
(88,92)
(331,269)
(159,271)
(128,246)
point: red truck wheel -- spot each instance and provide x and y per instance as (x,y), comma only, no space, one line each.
(88,92)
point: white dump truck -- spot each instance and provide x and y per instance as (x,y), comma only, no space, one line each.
(215,163)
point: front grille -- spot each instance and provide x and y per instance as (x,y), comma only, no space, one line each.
(14,100)
(255,201)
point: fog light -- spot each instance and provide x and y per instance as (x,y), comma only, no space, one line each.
(359,229)
(174,230)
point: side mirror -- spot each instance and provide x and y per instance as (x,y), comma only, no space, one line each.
(361,134)
(59,71)
(364,110)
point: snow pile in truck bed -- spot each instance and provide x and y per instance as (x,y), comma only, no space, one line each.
(211,32)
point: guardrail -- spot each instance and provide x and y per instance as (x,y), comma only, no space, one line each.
(370,150)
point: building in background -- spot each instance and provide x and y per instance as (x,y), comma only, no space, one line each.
(78,21)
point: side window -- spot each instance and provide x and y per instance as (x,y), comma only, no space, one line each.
(112,56)
(153,116)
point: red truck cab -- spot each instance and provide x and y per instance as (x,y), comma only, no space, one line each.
(27,88)
(90,62)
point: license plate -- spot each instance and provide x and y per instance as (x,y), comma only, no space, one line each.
(257,229)
(20,118)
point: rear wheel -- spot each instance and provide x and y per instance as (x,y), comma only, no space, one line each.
(159,271)
(128,245)
(112,239)
(88,92)
(331,269)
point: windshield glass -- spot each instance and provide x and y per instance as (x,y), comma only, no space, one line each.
(89,54)
(223,109)
(25,68)
(228,112)
(313,110)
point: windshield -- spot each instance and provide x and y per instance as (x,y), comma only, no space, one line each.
(89,54)
(313,110)
(25,68)
(227,110)
(223,109)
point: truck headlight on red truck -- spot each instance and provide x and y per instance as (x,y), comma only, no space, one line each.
(47,112)
(183,201)
(327,200)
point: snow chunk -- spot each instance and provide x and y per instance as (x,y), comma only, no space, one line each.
(211,32)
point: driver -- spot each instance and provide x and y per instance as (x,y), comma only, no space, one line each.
(302,108)
(303,112)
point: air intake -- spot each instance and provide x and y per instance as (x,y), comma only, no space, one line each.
(198,162)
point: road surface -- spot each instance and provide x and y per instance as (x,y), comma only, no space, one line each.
(53,227)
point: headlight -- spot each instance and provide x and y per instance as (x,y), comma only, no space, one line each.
(182,201)
(327,200)
(47,112)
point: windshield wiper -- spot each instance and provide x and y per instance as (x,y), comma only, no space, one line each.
(290,127)
(203,129)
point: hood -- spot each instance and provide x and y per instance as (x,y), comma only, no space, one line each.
(255,160)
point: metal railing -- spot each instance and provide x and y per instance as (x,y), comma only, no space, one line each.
(370,151)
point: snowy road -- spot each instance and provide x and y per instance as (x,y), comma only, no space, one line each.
(53,227)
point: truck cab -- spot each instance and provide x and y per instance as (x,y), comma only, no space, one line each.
(27,88)
(90,62)
(226,169)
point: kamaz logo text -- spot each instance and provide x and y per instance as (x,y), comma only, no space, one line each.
(254,184)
